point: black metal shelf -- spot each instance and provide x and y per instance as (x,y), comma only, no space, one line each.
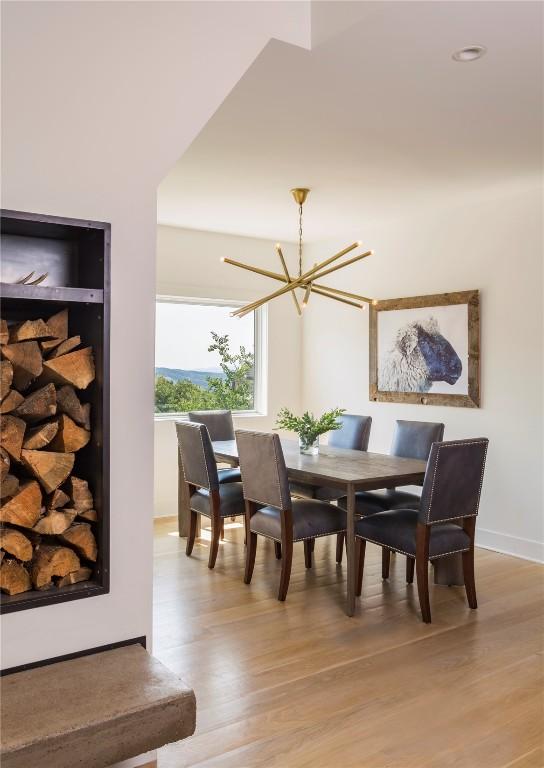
(51,293)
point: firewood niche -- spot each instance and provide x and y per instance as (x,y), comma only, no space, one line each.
(47,512)
(54,459)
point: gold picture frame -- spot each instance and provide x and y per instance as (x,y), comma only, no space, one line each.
(419,346)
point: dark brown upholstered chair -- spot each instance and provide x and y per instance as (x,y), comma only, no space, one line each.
(280,518)
(445,523)
(220,427)
(412,440)
(207,496)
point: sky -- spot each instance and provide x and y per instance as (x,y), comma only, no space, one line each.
(183,334)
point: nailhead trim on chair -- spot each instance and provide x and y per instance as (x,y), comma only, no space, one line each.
(194,425)
(402,552)
(452,445)
(304,538)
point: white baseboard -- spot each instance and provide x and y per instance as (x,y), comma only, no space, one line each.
(527,549)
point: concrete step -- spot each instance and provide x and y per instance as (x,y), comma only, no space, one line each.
(92,711)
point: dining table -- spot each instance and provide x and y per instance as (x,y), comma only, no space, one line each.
(345,469)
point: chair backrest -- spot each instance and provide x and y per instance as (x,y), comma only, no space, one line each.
(354,432)
(453,480)
(262,466)
(413,439)
(196,454)
(219,423)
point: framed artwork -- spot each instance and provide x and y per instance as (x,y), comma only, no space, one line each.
(426,349)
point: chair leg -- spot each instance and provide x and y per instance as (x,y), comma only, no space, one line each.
(193,519)
(468,575)
(277,550)
(360,548)
(312,541)
(214,544)
(386,561)
(422,571)
(410,564)
(308,553)
(286,560)
(340,546)
(222,530)
(251,551)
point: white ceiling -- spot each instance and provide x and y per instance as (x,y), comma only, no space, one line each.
(377,119)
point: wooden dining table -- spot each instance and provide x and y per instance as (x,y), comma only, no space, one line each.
(345,469)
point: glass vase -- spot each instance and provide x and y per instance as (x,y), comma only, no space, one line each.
(310,448)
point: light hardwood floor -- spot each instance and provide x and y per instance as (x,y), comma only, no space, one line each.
(299,684)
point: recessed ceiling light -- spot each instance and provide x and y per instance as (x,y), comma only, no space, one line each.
(470,53)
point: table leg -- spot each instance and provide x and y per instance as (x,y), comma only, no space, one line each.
(350,549)
(448,571)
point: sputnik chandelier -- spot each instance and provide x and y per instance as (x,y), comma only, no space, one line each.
(305,281)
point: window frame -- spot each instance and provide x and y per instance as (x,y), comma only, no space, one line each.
(260,335)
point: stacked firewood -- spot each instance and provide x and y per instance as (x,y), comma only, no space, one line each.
(46,514)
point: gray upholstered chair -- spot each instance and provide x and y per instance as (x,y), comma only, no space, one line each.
(280,518)
(445,522)
(354,433)
(207,496)
(220,427)
(412,440)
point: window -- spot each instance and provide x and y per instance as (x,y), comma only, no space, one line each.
(205,359)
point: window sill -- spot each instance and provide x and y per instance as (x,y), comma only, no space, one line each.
(184,417)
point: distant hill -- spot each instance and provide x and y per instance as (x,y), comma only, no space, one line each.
(196,377)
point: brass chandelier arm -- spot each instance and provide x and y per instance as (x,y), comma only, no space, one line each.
(288,277)
(343,264)
(282,279)
(299,280)
(321,292)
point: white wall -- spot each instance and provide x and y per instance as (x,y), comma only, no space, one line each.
(188,264)
(98,101)
(494,243)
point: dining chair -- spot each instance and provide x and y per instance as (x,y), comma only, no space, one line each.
(207,496)
(411,440)
(270,510)
(220,427)
(444,524)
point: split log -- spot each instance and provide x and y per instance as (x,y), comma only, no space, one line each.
(14,578)
(27,362)
(82,539)
(70,437)
(5,463)
(16,543)
(87,514)
(4,331)
(40,436)
(80,494)
(12,431)
(24,508)
(30,329)
(68,402)
(58,325)
(9,485)
(64,347)
(76,368)
(83,574)
(55,522)
(50,468)
(39,405)
(58,499)
(6,377)
(12,400)
(52,561)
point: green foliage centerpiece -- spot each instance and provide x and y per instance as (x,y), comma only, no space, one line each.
(308,428)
